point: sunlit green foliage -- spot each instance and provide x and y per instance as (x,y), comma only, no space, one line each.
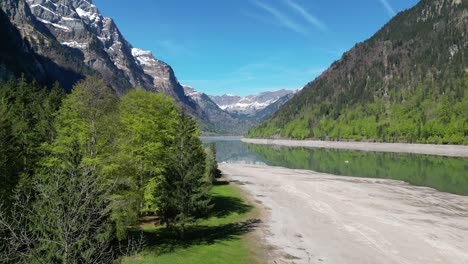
(91,169)
(148,127)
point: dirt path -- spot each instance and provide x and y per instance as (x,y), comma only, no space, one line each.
(431,149)
(322,218)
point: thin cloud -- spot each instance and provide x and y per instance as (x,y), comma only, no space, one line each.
(283,19)
(388,7)
(307,16)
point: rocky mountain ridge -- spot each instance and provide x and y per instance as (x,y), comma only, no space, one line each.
(237,122)
(251,104)
(72,39)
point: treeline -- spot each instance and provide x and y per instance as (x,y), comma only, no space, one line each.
(79,170)
(419,114)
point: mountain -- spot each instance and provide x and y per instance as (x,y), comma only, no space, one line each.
(255,109)
(223,122)
(263,114)
(66,40)
(248,105)
(408,82)
(24,43)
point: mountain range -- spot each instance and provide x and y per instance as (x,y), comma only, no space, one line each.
(249,105)
(67,40)
(238,120)
(407,83)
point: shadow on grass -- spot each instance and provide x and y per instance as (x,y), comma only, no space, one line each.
(220,182)
(225,205)
(163,240)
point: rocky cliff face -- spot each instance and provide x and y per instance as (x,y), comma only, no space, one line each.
(74,36)
(28,48)
(79,25)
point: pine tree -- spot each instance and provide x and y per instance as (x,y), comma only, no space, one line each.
(211,171)
(184,196)
(9,165)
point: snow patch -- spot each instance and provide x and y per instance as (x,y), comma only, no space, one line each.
(139,52)
(90,15)
(53,24)
(144,57)
(43,7)
(70,19)
(74,44)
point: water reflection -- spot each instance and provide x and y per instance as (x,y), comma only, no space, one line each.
(232,150)
(442,173)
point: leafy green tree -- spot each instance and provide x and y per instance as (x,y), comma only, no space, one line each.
(147,129)
(184,194)
(86,133)
(87,120)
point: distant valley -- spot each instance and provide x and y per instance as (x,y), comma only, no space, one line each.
(234,114)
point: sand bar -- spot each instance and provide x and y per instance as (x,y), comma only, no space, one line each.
(315,217)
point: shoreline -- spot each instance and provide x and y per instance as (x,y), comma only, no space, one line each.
(428,149)
(317,217)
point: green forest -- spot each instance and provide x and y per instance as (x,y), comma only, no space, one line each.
(79,171)
(413,115)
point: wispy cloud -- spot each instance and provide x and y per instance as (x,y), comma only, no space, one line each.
(280,17)
(307,16)
(391,12)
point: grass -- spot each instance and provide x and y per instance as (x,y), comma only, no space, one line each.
(220,238)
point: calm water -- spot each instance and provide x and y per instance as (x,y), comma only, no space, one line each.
(442,173)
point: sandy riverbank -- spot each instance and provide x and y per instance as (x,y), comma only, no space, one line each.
(431,149)
(322,218)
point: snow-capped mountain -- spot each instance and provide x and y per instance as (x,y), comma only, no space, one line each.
(251,104)
(79,25)
(76,39)
(223,120)
(250,110)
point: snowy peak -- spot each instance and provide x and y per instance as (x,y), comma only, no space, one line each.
(78,24)
(139,52)
(191,92)
(249,104)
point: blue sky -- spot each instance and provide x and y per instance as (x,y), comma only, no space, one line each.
(249,46)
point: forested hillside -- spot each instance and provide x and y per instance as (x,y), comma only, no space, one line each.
(79,171)
(409,83)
